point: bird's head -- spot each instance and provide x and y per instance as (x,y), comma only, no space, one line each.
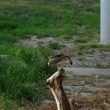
(49,62)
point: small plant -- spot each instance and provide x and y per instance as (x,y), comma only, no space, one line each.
(23,74)
(81,49)
(82,39)
(99,65)
(54,45)
(65,37)
(7,104)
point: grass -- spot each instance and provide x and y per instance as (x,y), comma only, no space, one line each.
(46,18)
(84,48)
(7,104)
(55,45)
(23,74)
(23,71)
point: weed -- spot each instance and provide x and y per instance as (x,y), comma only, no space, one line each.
(46,18)
(24,73)
(65,37)
(83,48)
(7,104)
(54,45)
(82,39)
(99,65)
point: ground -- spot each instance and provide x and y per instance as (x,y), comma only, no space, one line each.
(86,81)
(88,87)
(92,56)
(34,29)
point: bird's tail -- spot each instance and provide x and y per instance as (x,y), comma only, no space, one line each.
(69,60)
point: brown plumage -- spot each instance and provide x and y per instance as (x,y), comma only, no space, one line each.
(59,59)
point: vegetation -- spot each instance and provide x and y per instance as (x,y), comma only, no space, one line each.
(55,45)
(23,71)
(23,74)
(83,48)
(64,19)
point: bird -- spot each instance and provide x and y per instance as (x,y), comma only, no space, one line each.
(59,59)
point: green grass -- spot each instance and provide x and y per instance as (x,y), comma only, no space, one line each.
(47,18)
(84,48)
(7,104)
(55,45)
(23,71)
(23,74)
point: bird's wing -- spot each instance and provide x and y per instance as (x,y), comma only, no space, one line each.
(59,59)
(69,60)
(56,56)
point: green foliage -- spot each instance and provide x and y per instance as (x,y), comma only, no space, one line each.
(83,48)
(54,45)
(7,104)
(65,37)
(82,39)
(24,72)
(61,18)
(99,65)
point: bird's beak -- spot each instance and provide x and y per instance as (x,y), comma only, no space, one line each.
(48,64)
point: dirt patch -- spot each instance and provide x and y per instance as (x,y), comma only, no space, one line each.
(95,58)
(89,89)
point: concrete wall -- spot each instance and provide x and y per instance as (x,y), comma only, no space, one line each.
(105,22)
